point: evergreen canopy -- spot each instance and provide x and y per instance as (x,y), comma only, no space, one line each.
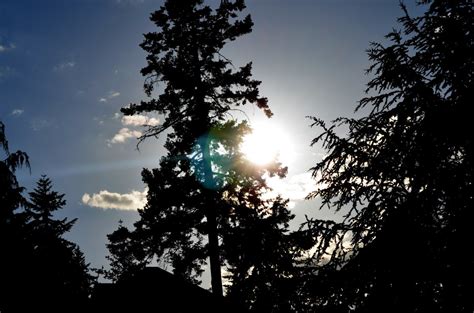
(206,198)
(403,176)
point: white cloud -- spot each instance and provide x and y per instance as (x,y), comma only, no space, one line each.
(295,188)
(124,134)
(139,120)
(17,112)
(5,48)
(112,200)
(64,66)
(133,121)
(112,94)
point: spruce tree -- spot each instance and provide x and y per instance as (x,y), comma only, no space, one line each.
(403,176)
(59,271)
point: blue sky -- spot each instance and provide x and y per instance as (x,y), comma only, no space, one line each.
(67,67)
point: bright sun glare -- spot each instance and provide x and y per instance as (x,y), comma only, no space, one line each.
(266,143)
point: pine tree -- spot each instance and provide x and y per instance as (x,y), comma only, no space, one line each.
(204,189)
(403,176)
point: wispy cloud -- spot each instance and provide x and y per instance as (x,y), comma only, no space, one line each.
(17,112)
(124,134)
(294,188)
(6,47)
(64,66)
(38,124)
(112,94)
(139,120)
(112,200)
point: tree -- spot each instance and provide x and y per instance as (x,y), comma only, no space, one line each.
(59,270)
(39,269)
(403,176)
(204,188)
(14,247)
(11,197)
(126,256)
(261,254)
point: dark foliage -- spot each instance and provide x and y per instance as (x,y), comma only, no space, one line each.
(39,270)
(152,289)
(403,177)
(14,246)
(205,200)
(58,266)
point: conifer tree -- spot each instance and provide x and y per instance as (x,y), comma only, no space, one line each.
(205,190)
(39,269)
(59,271)
(403,176)
(14,247)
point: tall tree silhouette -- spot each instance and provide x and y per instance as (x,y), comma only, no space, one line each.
(204,187)
(59,270)
(403,176)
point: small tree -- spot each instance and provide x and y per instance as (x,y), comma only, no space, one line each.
(126,255)
(59,272)
(403,176)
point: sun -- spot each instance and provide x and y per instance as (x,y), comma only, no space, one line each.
(267,142)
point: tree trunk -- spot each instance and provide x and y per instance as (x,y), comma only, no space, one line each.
(211,216)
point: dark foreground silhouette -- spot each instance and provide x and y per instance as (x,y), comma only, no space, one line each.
(155,290)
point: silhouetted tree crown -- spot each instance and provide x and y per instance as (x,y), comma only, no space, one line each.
(403,176)
(11,198)
(59,273)
(205,194)
(43,202)
(39,270)
(14,247)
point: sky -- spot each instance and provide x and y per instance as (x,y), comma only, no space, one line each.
(67,67)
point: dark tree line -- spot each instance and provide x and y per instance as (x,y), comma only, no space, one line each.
(402,177)
(39,269)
